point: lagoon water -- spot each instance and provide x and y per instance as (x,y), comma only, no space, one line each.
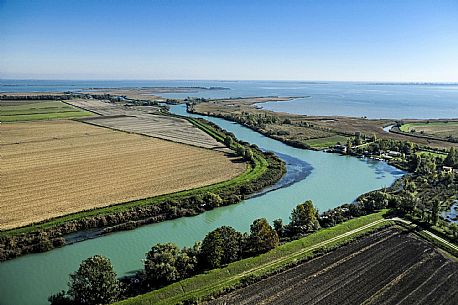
(372,100)
(327,179)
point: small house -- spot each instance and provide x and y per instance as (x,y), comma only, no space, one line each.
(447,169)
(393,153)
(341,148)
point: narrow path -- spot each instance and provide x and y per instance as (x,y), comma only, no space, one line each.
(440,239)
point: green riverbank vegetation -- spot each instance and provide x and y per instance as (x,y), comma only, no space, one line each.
(263,169)
(166,263)
(227,259)
(432,170)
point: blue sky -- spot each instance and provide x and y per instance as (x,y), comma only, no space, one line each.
(274,40)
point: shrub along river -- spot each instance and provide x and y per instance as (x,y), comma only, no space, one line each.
(327,179)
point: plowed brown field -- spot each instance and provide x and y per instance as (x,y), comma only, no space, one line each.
(387,267)
(53,168)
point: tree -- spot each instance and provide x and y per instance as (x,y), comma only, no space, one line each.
(186,262)
(407,203)
(240,150)
(213,200)
(349,147)
(60,298)
(160,264)
(228,141)
(375,201)
(278,226)
(248,155)
(358,140)
(435,207)
(426,166)
(94,283)
(166,263)
(220,247)
(452,158)
(304,218)
(410,186)
(454,229)
(262,237)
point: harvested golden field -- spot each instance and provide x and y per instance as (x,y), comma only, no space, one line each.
(54,168)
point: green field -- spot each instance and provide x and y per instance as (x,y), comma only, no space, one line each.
(432,154)
(214,281)
(326,142)
(442,129)
(44,110)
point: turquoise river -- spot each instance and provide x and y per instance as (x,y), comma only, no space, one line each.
(327,179)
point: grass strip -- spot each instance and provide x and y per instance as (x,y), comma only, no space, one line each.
(254,170)
(218,280)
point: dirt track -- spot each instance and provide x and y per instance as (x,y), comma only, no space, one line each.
(385,268)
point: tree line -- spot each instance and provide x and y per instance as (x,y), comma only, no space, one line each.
(95,281)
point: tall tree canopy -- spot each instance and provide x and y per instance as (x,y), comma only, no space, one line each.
(220,247)
(304,218)
(262,237)
(94,283)
(166,263)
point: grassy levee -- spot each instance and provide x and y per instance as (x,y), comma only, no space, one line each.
(219,280)
(207,129)
(254,170)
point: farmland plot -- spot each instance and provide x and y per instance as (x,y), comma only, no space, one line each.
(440,129)
(385,268)
(130,119)
(163,127)
(97,106)
(55,168)
(26,110)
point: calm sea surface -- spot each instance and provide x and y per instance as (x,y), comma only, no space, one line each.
(318,98)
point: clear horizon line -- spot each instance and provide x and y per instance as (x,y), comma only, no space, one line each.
(228,80)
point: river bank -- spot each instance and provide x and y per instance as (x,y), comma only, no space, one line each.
(303,130)
(262,170)
(333,180)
